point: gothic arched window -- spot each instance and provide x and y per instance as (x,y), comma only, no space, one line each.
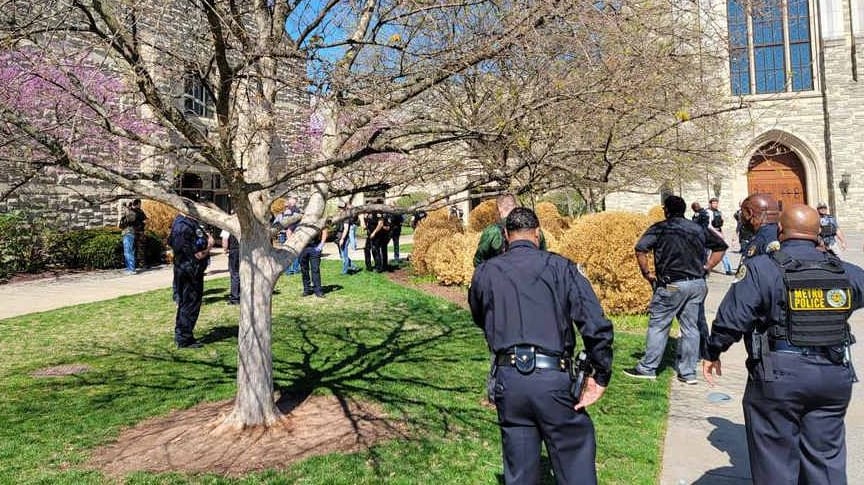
(769,46)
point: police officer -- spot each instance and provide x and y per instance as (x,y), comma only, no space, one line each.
(492,240)
(527,301)
(759,212)
(829,231)
(191,246)
(792,307)
(679,248)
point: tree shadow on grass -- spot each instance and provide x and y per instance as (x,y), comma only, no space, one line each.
(420,359)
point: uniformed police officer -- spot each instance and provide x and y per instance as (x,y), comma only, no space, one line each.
(527,301)
(759,212)
(191,246)
(792,307)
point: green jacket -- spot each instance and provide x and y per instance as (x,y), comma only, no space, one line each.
(492,243)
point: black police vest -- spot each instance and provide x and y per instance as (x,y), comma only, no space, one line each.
(829,229)
(818,302)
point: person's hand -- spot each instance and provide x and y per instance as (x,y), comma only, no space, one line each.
(710,369)
(650,276)
(592,393)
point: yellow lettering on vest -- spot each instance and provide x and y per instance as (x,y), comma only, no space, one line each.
(808,299)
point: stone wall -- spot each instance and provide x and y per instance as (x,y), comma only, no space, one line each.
(798,121)
(165,28)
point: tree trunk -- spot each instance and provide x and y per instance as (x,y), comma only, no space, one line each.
(254,404)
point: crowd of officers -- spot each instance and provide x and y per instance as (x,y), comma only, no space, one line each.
(789,301)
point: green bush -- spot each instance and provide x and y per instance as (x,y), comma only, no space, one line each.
(103,251)
(22,245)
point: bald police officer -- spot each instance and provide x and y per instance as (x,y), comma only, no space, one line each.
(792,307)
(527,300)
(759,212)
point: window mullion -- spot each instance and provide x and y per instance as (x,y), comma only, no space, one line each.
(787,54)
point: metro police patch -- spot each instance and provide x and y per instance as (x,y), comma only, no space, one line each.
(740,274)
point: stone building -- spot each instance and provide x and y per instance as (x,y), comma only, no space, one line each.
(798,66)
(167,33)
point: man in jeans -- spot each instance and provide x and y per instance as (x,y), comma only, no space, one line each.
(679,247)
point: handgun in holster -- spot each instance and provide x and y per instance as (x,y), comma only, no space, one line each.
(580,370)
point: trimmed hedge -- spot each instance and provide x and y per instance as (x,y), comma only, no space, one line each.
(30,247)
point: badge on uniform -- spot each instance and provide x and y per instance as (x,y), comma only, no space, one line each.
(772,246)
(741,273)
(751,251)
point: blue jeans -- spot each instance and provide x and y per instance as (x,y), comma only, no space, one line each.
(352,236)
(681,299)
(129,251)
(346,258)
(727,266)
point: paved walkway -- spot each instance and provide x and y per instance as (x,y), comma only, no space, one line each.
(73,289)
(705,441)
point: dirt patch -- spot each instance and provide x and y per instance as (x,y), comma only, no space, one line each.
(191,441)
(454,294)
(61,370)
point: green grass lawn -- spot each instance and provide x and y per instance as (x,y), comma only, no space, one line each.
(419,357)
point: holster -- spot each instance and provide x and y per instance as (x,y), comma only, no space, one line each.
(490,380)
(762,350)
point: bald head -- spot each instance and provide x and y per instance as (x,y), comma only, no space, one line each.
(760,209)
(799,221)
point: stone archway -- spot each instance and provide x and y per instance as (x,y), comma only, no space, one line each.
(777,170)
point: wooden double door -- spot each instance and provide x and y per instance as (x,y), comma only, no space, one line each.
(780,174)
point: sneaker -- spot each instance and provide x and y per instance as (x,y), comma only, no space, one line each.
(634,372)
(130,272)
(689,380)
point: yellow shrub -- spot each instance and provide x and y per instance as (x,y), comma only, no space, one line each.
(451,259)
(656,213)
(550,220)
(159,217)
(277,206)
(481,216)
(603,245)
(436,226)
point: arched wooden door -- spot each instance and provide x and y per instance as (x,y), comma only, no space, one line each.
(778,171)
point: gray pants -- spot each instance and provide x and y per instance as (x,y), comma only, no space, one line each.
(682,299)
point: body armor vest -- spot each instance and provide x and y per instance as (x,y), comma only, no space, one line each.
(827,230)
(818,302)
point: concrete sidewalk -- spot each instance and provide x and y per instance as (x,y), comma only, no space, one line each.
(72,289)
(705,440)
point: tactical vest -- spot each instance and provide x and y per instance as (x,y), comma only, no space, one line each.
(827,228)
(818,302)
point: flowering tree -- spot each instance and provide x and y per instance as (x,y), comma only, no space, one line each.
(126,92)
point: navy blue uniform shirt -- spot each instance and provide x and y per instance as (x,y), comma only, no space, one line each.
(679,248)
(531,296)
(757,295)
(766,235)
(187,238)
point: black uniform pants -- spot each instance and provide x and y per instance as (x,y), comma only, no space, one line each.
(234,271)
(795,428)
(190,291)
(537,407)
(310,262)
(379,251)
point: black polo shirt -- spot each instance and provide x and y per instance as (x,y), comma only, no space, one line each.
(680,248)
